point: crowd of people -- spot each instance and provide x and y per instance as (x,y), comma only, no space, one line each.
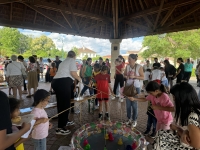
(157,87)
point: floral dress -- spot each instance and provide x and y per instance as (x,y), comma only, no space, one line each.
(169,140)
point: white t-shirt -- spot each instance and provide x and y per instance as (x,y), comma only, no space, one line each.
(156,74)
(145,67)
(14,68)
(164,76)
(146,75)
(41,64)
(65,67)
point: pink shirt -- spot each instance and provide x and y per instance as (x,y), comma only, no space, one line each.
(40,131)
(164,117)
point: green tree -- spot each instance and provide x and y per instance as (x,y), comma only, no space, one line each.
(24,43)
(96,58)
(75,49)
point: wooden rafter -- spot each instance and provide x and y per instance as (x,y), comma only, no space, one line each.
(167,15)
(141,4)
(146,3)
(65,16)
(91,5)
(87,5)
(104,7)
(11,11)
(8,1)
(190,11)
(158,15)
(35,17)
(148,21)
(127,6)
(73,16)
(123,7)
(45,14)
(136,5)
(24,16)
(82,25)
(155,1)
(91,27)
(77,3)
(134,24)
(115,18)
(101,6)
(131,5)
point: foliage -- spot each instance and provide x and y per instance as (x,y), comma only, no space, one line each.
(85,57)
(75,49)
(96,58)
(183,44)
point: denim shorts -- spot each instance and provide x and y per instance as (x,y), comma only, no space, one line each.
(39,144)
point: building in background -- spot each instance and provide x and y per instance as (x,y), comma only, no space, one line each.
(84,51)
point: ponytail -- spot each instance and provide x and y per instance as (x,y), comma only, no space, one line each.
(153,86)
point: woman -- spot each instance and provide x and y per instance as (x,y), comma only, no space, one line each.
(48,65)
(14,76)
(133,74)
(180,71)
(32,76)
(197,72)
(119,78)
(185,98)
(87,74)
(21,59)
(61,84)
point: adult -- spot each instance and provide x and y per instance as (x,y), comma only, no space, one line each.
(61,84)
(180,71)
(7,138)
(21,59)
(187,112)
(81,69)
(57,61)
(101,63)
(87,75)
(156,64)
(170,71)
(188,66)
(38,67)
(32,76)
(48,66)
(108,65)
(41,65)
(14,76)
(5,63)
(147,66)
(133,74)
(197,72)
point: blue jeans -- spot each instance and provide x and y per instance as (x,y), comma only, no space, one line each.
(39,144)
(86,81)
(134,105)
(151,120)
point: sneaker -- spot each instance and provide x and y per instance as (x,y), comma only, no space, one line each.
(153,135)
(129,122)
(100,117)
(146,132)
(107,116)
(62,132)
(70,123)
(134,124)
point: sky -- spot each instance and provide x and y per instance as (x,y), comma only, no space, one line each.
(101,46)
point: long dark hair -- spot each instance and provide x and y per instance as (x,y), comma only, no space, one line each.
(14,104)
(181,59)
(32,59)
(153,86)
(88,60)
(39,96)
(121,57)
(186,101)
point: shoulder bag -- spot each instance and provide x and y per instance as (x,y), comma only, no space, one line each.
(130,90)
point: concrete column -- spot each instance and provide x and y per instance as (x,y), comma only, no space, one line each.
(115,52)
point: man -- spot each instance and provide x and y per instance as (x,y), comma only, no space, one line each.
(188,70)
(101,63)
(156,64)
(57,61)
(147,66)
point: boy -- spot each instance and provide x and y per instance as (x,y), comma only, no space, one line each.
(103,87)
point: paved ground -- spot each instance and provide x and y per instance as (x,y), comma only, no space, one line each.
(54,141)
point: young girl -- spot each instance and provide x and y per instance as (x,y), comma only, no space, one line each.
(42,125)
(103,85)
(52,73)
(161,104)
(14,113)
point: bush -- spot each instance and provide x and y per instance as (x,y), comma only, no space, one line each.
(193,73)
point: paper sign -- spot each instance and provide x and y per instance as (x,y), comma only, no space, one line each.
(27,133)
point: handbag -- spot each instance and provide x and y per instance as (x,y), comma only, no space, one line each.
(130,90)
(24,74)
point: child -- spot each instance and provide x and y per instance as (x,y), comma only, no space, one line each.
(95,73)
(14,113)
(161,104)
(103,87)
(42,125)
(156,75)
(164,78)
(151,120)
(147,74)
(52,73)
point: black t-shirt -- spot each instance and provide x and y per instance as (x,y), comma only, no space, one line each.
(57,63)
(181,66)
(5,121)
(157,65)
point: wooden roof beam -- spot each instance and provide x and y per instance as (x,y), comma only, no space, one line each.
(167,16)
(65,16)
(11,11)
(158,15)
(45,14)
(155,9)
(74,18)
(8,1)
(77,12)
(91,27)
(190,11)
(134,24)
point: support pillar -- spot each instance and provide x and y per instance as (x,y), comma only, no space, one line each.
(115,52)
